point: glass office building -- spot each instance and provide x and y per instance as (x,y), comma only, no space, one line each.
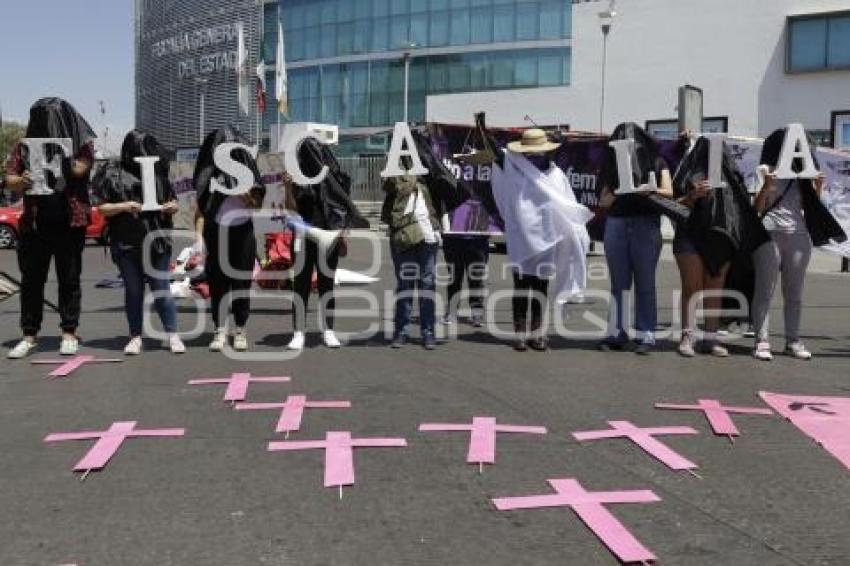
(346,58)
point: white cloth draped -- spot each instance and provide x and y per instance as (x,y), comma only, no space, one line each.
(544,224)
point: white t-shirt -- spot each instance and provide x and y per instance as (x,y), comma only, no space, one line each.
(416,204)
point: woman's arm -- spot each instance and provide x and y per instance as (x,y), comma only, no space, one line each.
(607,198)
(110,209)
(19,183)
(665,189)
(767,191)
(289,193)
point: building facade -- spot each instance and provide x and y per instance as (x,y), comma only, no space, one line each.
(186,67)
(360,63)
(347,59)
(761,66)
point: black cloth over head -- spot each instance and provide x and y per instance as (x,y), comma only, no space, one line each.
(645,159)
(54,117)
(205,170)
(326,205)
(821,224)
(120,181)
(724,223)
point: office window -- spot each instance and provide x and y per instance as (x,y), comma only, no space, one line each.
(838,46)
(818,43)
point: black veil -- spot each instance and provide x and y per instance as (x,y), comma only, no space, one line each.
(206,170)
(822,226)
(645,156)
(724,223)
(333,194)
(55,118)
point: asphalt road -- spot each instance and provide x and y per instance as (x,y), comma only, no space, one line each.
(217,497)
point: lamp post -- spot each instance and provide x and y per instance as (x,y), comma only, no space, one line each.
(406,58)
(606,20)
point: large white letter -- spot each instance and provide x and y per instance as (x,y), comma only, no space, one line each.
(223,159)
(290,160)
(795,137)
(39,164)
(715,159)
(623,152)
(402,136)
(149,202)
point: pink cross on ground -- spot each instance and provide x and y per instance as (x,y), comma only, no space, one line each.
(589,506)
(108,442)
(237,384)
(718,414)
(644,437)
(292,410)
(70,365)
(339,453)
(482,440)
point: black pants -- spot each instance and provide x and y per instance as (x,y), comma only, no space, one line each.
(239,255)
(467,260)
(304,282)
(530,293)
(35,249)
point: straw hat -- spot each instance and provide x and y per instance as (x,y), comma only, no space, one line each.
(533,141)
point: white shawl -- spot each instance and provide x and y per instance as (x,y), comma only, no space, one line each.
(544,224)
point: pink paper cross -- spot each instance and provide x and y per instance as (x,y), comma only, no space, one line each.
(644,437)
(718,414)
(589,506)
(292,410)
(237,384)
(108,442)
(482,440)
(339,453)
(69,366)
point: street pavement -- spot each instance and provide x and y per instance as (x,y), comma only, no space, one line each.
(217,497)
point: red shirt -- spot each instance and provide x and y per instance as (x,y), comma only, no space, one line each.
(76,191)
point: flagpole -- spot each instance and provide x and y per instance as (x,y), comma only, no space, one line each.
(262,27)
(277,94)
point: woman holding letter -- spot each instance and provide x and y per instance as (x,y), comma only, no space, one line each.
(796,220)
(633,233)
(226,225)
(119,186)
(53,224)
(722,225)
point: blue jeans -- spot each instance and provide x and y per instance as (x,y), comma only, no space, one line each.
(129,262)
(414,269)
(632,249)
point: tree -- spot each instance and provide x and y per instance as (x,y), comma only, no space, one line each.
(10,133)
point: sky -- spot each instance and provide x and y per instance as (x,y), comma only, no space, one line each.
(80,50)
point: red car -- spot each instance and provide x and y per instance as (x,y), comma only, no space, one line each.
(10,215)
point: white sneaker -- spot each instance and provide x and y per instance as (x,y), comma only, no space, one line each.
(175,344)
(219,340)
(69,346)
(297,342)
(797,350)
(331,341)
(762,352)
(240,340)
(22,349)
(134,346)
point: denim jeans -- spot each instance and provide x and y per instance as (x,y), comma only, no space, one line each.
(414,269)
(632,249)
(129,262)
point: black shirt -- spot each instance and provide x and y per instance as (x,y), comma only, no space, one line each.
(114,185)
(634,205)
